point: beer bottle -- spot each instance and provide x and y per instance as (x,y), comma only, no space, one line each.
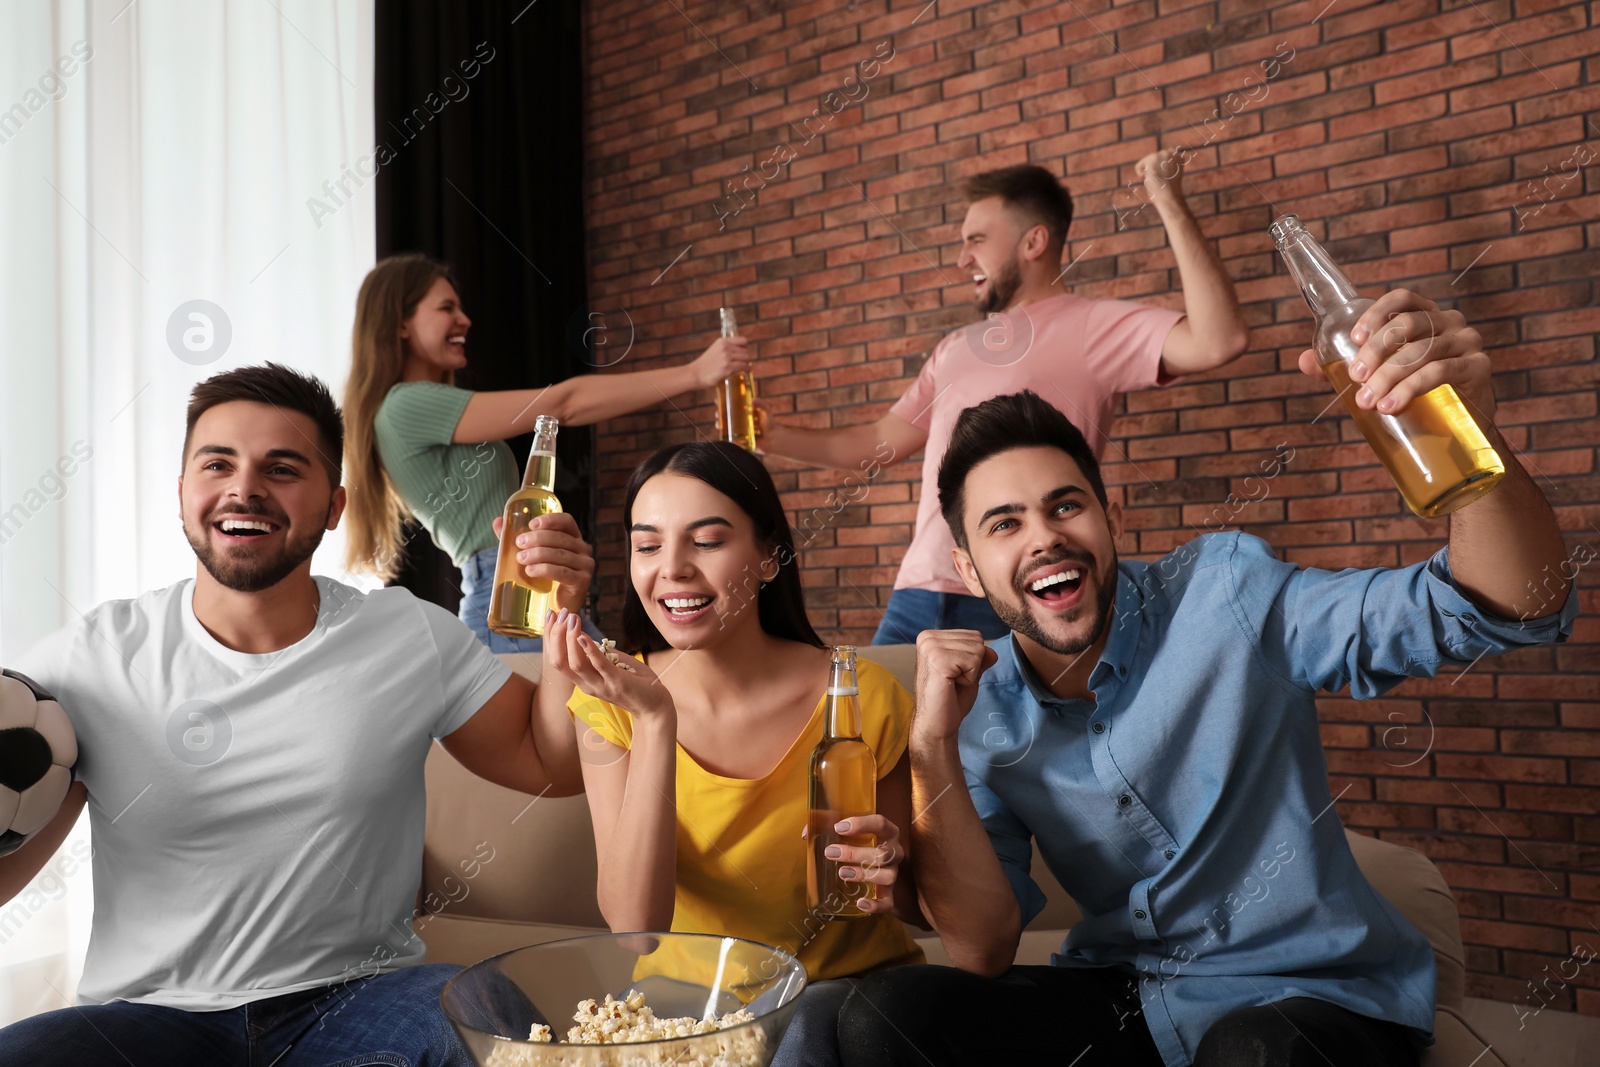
(736,397)
(844,784)
(1436,453)
(518,602)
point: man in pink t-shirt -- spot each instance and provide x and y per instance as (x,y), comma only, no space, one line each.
(1076,353)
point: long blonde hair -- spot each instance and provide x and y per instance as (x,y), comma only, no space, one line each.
(374,514)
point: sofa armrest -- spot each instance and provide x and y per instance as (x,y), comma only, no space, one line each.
(1409,880)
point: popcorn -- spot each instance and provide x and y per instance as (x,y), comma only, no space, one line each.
(630,1020)
(608,648)
(616,1022)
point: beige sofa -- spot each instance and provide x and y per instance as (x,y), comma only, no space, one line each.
(502,869)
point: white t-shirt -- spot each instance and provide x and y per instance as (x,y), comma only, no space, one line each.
(257,820)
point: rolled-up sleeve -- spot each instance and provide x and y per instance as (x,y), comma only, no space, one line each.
(1372,629)
(1012,843)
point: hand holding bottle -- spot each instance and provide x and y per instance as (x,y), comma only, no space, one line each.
(725,357)
(763,419)
(580,660)
(554,548)
(877,865)
(1409,345)
(1404,402)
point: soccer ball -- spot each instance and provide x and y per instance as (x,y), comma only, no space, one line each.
(37,752)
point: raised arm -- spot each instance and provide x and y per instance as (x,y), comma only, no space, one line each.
(885,442)
(1506,550)
(961,885)
(591,398)
(1213,330)
(632,791)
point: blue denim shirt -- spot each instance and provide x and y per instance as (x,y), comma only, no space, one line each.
(1187,809)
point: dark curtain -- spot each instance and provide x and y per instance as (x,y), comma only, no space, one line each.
(480,140)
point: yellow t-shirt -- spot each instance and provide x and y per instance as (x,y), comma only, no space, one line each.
(741,859)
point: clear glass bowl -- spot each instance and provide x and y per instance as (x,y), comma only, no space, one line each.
(494,1004)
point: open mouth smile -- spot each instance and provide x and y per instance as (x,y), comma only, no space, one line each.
(1058,586)
(685,608)
(239,531)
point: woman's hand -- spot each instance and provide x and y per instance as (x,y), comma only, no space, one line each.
(627,683)
(879,865)
(553,548)
(726,356)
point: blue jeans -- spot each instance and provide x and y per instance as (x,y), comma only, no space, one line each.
(392,1019)
(477,586)
(912,611)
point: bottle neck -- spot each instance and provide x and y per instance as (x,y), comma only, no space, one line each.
(541,472)
(1321,281)
(844,702)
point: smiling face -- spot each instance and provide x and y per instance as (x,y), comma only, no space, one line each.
(1041,547)
(695,560)
(998,249)
(254,495)
(436,333)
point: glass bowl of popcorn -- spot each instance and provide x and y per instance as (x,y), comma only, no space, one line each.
(627,1000)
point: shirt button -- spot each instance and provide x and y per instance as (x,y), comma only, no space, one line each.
(1139,915)
(1099,727)
(1169,853)
(1124,800)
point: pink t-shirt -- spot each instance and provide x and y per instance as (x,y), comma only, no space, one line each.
(1077,354)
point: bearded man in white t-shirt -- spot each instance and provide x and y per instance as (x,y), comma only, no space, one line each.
(1036,334)
(251,752)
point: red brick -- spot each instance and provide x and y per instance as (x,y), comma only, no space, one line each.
(1501,768)
(1513,935)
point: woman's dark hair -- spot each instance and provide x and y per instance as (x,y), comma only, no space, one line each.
(999,424)
(743,478)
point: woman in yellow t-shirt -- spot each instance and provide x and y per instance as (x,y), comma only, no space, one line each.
(697,762)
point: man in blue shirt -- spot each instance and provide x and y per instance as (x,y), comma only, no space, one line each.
(1153,726)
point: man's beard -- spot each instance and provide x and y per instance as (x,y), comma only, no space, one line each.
(1002,286)
(252,575)
(1019,618)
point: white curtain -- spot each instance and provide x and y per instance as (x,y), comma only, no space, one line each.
(152,154)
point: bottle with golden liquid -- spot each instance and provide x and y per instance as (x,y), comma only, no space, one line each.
(518,602)
(1436,453)
(844,784)
(736,397)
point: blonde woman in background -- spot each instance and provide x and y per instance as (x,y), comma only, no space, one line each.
(416,446)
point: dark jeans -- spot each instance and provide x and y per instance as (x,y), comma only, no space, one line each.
(1086,1017)
(392,1019)
(812,1039)
(911,611)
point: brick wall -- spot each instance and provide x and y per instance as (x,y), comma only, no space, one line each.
(1443,146)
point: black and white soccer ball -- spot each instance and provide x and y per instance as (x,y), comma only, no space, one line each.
(37,753)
